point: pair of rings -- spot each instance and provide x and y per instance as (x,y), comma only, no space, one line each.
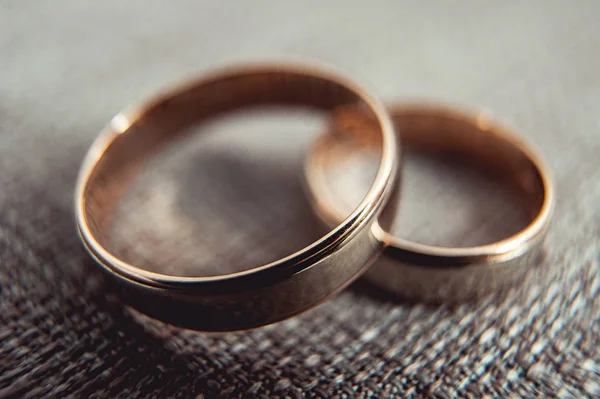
(281,289)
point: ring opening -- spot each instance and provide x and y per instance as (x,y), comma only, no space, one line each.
(133,137)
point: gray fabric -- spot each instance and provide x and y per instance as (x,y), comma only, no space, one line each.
(66,67)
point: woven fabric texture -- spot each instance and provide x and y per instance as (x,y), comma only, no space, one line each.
(66,67)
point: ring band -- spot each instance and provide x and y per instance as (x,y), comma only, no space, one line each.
(440,274)
(257,296)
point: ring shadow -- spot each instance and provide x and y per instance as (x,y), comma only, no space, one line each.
(248,210)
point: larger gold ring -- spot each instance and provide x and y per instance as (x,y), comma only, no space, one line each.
(432,273)
(264,294)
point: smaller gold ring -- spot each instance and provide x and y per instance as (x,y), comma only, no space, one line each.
(433,273)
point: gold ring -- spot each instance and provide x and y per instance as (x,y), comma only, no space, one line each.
(263,294)
(432,273)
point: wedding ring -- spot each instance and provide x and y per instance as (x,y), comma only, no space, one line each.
(263,294)
(433,273)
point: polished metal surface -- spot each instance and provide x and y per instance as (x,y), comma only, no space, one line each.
(434,273)
(263,294)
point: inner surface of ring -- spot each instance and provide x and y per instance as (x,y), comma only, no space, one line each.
(474,141)
(137,136)
(479,143)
